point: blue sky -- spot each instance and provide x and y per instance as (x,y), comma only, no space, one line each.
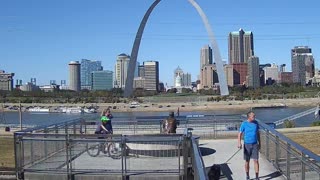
(38,38)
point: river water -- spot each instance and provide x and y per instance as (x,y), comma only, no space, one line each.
(266,115)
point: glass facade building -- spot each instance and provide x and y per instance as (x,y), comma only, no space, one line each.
(102,80)
(87,67)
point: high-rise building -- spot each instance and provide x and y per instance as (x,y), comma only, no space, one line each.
(6,81)
(102,80)
(151,70)
(302,64)
(240,46)
(121,69)
(186,79)
(87,67)
(253,72)
(205,56)
(228,70)
(282,68)
(240,72)
(271,73)
(74,76)
(140,71)
(208,76)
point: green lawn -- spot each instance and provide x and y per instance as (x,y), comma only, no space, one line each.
(7,152)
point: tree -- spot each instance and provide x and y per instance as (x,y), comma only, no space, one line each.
(316,123)
(289,124)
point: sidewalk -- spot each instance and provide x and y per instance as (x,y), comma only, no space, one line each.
(219,151)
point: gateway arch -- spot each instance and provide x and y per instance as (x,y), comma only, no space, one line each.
(135,50)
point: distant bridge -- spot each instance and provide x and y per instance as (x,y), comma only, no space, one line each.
(296,116)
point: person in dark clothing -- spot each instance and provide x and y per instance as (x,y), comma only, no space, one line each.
(105,125)
(169,125)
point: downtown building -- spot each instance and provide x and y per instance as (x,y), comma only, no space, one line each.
(209,76)
(206,68)
(102,80)
(87,67)
(240,46)
(184,78)
(302,65)
(6,81)
(271,74)
(148,78)
(74,76)
(253,72)
(121,69)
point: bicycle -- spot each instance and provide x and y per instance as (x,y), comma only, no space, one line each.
(113,149)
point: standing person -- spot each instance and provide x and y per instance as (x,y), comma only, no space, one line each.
(105,126)
(250,130)
(170,124)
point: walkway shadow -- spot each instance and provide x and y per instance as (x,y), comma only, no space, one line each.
(272,175)
(206,151)
(226,172)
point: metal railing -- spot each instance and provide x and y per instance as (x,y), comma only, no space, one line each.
(296,116)
(62,149)
(290,158)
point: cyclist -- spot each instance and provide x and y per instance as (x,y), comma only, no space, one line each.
(105,126)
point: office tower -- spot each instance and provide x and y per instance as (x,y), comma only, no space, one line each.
(282,68)
(74,76)
(178,81)
(271,74)
(261,73)
(205,56)
(302,64)
(87,67)
(151,70)
(161,87)
(253,72)
(186,79)
(177,72)
(63,83)
(18,82)
(140,71)
(121,69)
(240,46)
(6,81)
(52,82)
(102,80)
(33,81)
(240,72)
(228,70)
(208,76)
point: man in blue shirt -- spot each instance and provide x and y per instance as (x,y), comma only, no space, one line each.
(250,130)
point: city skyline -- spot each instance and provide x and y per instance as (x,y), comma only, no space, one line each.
(61,45)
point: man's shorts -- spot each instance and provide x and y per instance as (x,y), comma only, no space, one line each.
(251,151)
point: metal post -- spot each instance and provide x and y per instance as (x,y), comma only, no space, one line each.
(288,160)
(45,143)
(267,145)
(277,152)
(31,152)
(20,116)
(303,167)
(68,157)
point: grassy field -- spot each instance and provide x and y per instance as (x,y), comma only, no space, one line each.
(309,140)
(7,152)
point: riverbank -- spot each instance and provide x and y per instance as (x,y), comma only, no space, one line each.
(191,106)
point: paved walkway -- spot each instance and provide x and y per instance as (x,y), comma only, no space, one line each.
(219,151)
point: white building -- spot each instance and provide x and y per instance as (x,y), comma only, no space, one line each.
(272,73)
(121,69)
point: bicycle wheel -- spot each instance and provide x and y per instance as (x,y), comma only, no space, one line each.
(114,150)
(93,149)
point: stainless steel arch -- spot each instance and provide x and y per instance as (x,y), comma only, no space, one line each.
(135,50)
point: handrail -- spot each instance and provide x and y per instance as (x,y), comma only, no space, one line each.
(289,141)
(198,161)
(290,118)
